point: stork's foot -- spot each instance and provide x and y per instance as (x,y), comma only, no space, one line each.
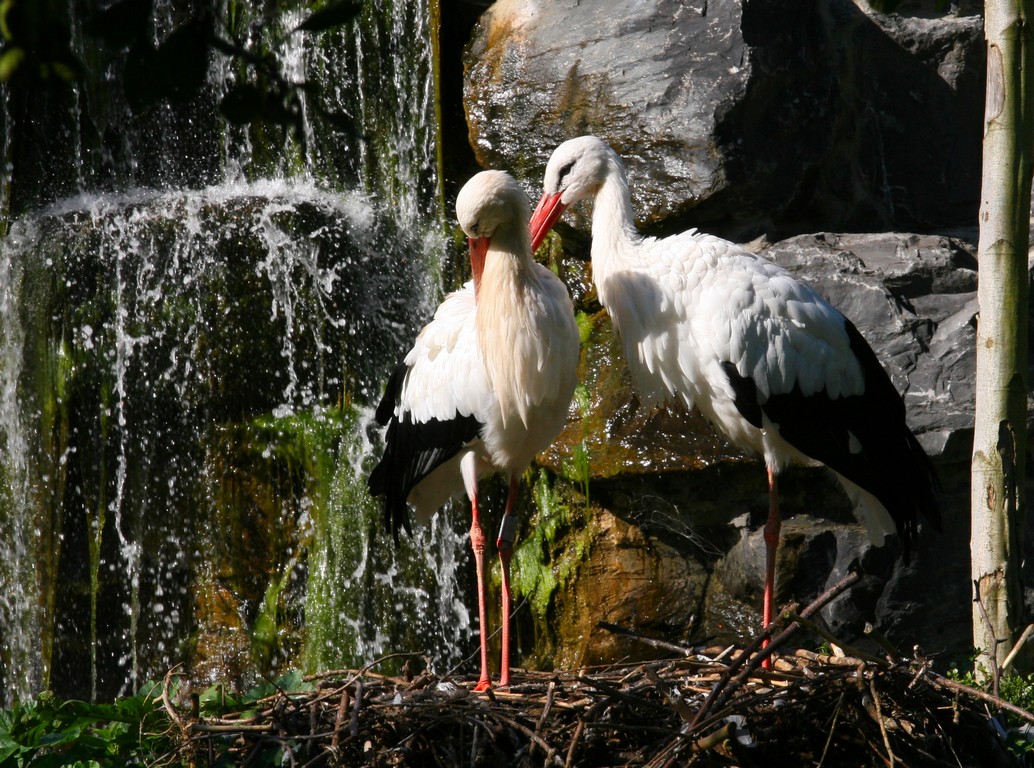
(484,684)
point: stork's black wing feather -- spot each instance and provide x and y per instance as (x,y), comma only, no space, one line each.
(863,437)
(412,450)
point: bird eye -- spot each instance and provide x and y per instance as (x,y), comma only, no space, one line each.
(564,171)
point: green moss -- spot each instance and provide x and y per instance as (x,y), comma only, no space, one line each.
(270,480)
(586,326)
(558,542)
(341,527)
(551,250)
(367,596)
(576,464)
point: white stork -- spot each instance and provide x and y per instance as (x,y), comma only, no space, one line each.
(762,356)
(486,386)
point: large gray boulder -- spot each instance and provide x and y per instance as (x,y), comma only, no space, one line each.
(741,116)
(914,299)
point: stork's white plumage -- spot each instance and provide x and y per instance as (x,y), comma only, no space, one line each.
(763,356)
(486,386)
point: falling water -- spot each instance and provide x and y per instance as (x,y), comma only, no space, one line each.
(18,610)
(187,373)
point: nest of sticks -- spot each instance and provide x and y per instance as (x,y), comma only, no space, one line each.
(709,707)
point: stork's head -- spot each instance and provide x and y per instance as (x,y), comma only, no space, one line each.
(575,171)
(492,205)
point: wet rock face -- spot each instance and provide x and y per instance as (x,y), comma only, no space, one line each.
(631,580)
(741,116)
(619,69)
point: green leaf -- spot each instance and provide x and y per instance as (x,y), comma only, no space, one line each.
(8,749)
(66,736)
(10,60)
(332,15)
(217,699)
(261,691)
(11,18)
(6,7)
(65,70)
(292,681)
(63,761)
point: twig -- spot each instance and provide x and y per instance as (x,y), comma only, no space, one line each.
(256,750)
(353,727)
(478,725)
(992,655)
(339,718)
(227,728)
(879,721)
(356,674)
(611,691)
(946,682)
(550,692)
(574,742)
(667,755)
(314,721)
(1018,647)
(832,729)
(535,738)
(816,605)
(726,677)
(826,635)
(167,703)
(670,692)
(663,758)
(712,740)
(536,724)
(652,642)
(830,661)
(319,758)
(882,641)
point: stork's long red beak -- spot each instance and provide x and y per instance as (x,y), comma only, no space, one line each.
(547,213)
(478,247)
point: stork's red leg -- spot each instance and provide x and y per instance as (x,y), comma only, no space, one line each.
(507,533)
(477,543)
(771,545)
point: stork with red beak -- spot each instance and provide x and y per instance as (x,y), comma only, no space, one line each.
(763,356)
(486,386)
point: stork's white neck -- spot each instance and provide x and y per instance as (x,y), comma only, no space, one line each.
(509,257)
(508,274)
(614,236)
(505,320)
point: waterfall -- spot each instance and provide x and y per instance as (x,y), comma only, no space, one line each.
(20,656)
(196,319)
